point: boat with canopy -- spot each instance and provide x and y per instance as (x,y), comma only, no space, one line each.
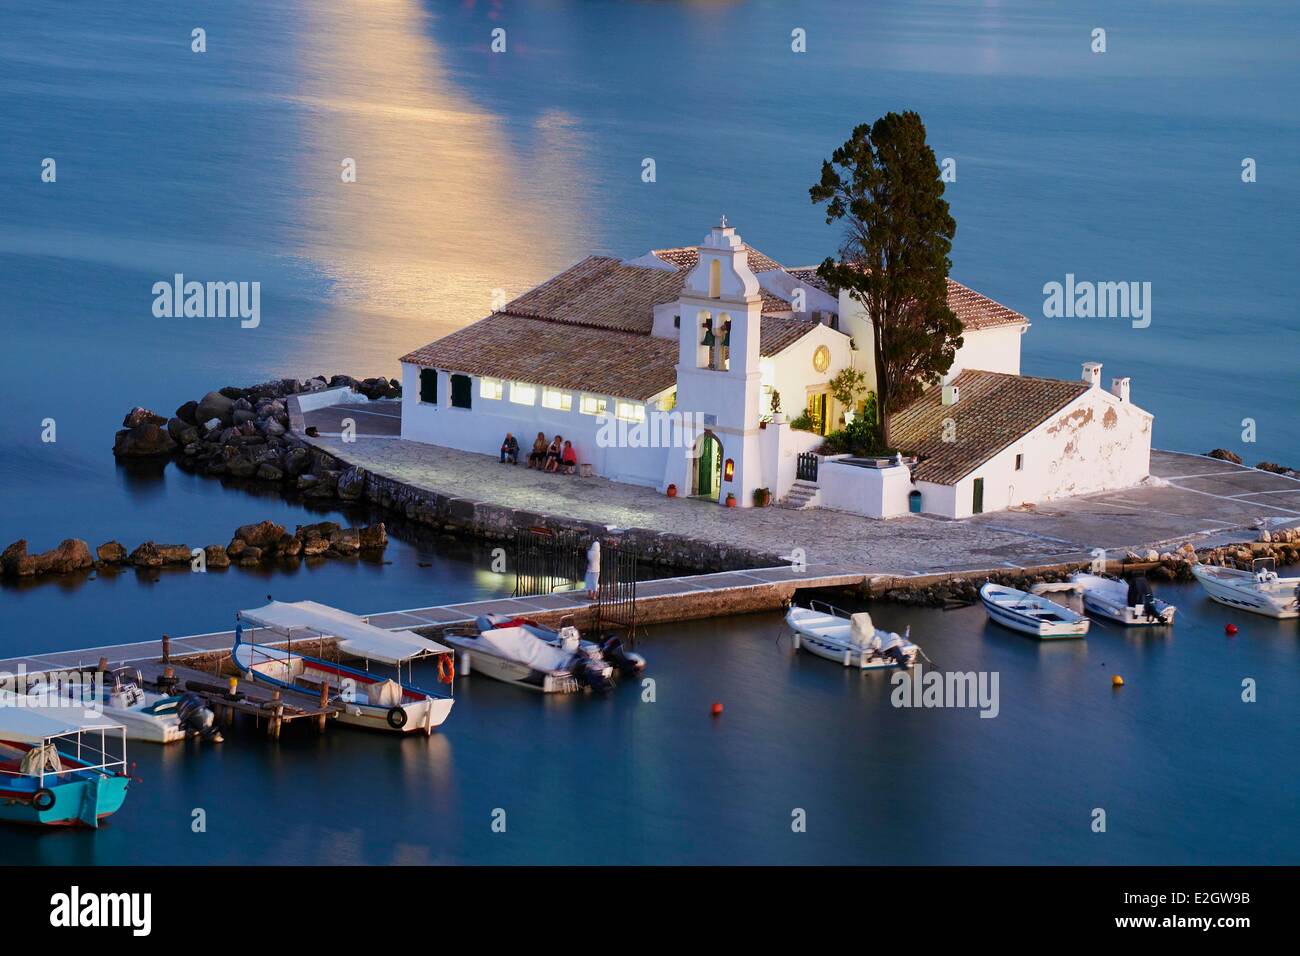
(364,698)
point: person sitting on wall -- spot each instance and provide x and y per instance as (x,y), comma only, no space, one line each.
(569,458)
(553,453)
(537,457)
(510,449)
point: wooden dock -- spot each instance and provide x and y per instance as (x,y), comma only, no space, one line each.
(668,599)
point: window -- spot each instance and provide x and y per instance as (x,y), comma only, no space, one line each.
(429,386)
(522,394)
(630,411)
(557,399)
(490,387)
(667,401)
(1020,462)
(593,405)
(460,391)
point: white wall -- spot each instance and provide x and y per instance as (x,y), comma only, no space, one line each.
(482,427)
(1096,443)
(874,492)
(792,371)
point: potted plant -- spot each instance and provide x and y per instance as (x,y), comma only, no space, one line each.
(762,497)
(845,387)
(731,499)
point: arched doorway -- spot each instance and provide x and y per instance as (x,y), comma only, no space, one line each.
(706,476)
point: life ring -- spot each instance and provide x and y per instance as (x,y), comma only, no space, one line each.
(43,799)
(396,718)
(446,669)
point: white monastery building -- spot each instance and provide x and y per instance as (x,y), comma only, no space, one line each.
(662,371)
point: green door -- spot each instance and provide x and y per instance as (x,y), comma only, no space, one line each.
(705,479)
(977,506)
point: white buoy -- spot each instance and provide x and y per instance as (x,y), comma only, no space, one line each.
(462,663)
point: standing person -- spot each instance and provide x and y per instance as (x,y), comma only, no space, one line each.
(592,580)
(510,449)
(537,457)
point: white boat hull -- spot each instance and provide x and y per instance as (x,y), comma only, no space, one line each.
(828,636)
(1239,590)
(513,672)
(1031,614)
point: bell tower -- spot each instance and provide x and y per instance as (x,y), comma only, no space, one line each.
(718,376)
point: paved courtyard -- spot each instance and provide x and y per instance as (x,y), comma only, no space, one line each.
(1198,499)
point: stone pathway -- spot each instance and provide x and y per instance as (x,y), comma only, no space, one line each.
(1200,499)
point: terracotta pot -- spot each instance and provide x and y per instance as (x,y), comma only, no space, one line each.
(731,500)
(672,491)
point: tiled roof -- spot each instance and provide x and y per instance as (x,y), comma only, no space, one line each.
(992,411)
(778,333)
(976,311)
(542,352)
(600,292)
(685,257)
(808,276)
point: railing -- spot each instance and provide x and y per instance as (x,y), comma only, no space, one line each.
(806,467)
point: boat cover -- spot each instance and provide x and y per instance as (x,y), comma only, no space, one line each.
(861,629)
(355,636)
(34,725)
(516,644)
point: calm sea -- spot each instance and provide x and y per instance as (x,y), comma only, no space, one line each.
(480,171)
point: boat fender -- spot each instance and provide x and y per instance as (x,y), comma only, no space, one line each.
(446,669)
(396,718)
(43,799)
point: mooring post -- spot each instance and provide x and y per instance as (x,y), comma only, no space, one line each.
(324,702)
(167,649)
(277,708)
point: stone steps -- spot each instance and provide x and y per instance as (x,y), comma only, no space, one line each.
(802,494)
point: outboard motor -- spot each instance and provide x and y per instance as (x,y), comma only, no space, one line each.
(591,673)
(625,662)
(1140,595)
(196,718)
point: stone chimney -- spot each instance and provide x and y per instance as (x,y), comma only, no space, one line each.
(951,393)
(1119,388)
(1092,374)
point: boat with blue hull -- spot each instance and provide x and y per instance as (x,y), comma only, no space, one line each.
(1031,613)
(58,769)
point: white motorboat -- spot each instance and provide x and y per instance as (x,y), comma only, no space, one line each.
(1031,613)
(521,652)
(848,639)
(1131,603)
(154,718)
(364,699)
(1258,590)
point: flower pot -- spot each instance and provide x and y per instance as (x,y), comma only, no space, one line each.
(672,491)
(731,500)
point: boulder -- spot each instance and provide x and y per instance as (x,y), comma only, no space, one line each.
(268,472)
(15,561)
(72,554)
(146,440)
(215,405)
(236,547)
(216,556)
(352,484)
(1223,455)
(189,413)
(374,537)
(176,429)
(313,545)
(111,552)
(146,556)
(260,535)
(251,557)
(345,541)
(241,468)
(142,416)
(242,415)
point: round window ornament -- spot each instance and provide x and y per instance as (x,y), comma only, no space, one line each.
(822,358)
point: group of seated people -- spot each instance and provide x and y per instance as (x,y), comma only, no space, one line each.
(555,456)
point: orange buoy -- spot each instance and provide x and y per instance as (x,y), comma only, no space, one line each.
(1116,681)
(1230,629)
(716,709)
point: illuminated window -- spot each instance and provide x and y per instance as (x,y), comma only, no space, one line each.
(668,401)
(522,394)
(557,399)
(630,411)
(593,405)
(490,387)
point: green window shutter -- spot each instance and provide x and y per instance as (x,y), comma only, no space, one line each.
(460,391)
(429,385)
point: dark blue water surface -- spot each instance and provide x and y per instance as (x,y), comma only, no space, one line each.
(480,172)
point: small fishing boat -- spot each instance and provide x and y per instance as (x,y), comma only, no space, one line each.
(522,652)
(364,699)
(1031,613)
(849,639)
(57,768)
(147,716)
(1132,603)
(1258,590)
